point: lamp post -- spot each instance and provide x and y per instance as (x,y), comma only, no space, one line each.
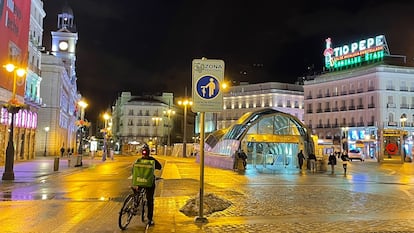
(185,102)
(46,131)
(82,104)
(106,117)
(156,120)
(169,112)
(13,107)
(403,119)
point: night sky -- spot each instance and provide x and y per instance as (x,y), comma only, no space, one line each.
(148,46)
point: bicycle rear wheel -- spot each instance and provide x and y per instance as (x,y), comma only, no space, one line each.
(127,212)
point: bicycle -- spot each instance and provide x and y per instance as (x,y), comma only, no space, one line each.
(135,203)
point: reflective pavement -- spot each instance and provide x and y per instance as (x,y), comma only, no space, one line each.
(372,197)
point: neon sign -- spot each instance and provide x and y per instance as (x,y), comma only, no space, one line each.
(356,53)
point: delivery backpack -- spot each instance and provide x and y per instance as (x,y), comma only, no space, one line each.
(143,173)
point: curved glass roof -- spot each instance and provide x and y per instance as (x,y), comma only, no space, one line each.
(265,121)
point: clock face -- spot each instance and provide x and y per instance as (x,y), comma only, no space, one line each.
(63,45)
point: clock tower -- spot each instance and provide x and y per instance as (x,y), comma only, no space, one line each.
(64,41)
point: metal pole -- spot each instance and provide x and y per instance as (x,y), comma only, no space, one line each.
(185,132)
(45,143)
(169,129)
(201,218)
(8,168)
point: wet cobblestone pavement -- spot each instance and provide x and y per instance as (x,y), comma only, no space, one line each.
(371,198)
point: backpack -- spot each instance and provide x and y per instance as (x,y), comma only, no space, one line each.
(143,173)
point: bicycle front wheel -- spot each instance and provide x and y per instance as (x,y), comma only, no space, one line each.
(127,212)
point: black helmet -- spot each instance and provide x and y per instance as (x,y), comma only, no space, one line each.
(145,150)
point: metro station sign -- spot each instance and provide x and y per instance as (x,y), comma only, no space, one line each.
(368,50)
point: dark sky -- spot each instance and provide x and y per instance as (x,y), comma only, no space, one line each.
(148,46)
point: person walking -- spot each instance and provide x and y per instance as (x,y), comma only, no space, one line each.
(62,151)
(312,161)
(345,160)
(332,162)
(243,157)
(301,157)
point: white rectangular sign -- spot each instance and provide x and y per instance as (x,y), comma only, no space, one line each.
(208,76)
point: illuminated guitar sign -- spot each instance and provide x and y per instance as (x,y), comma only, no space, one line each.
(356,53)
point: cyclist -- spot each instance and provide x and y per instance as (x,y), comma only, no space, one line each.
(150,190)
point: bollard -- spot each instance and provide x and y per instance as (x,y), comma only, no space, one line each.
(56,164)
(78,161)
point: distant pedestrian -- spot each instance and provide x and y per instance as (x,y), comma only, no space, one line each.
(243,158)
(68,150)
(345,160)
(301,157)
(332,162)
(312,161)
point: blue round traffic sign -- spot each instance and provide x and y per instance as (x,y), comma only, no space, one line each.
(208,87)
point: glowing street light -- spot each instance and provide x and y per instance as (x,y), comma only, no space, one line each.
(106,118)
(13,107)
(403,119)
(46,132)
(81,123)
(169,112)
(185,103)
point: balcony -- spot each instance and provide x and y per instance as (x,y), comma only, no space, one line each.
(319,110)
(371,105)
(371,88)
(309,111)
(360,106)
(309,97)
(343,108)
(403,88)
(391,105)
(404,106)
(327,110)
(335,109)
(352,107)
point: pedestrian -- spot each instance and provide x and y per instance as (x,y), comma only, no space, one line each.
(345,160)
(243,158)
(312,160)
(62,151)
(236,161)
(301,157)
(332,162)
(68,150)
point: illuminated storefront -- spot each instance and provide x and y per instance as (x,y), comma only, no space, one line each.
(366,91)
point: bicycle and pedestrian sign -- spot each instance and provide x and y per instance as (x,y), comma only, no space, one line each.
(207,78)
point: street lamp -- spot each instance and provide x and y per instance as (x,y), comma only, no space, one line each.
(403,119)
(13,107)
(106,117)
(46,131)
(82,104)
(169,112)
(185,102)
(156,120)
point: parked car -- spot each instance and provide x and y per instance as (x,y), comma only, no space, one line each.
(355,155)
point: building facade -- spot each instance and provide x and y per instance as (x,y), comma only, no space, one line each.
(365,93)
(22,48)
(142,119)
(59,90)
(238,100)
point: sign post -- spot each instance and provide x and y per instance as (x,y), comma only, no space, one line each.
(207,96)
